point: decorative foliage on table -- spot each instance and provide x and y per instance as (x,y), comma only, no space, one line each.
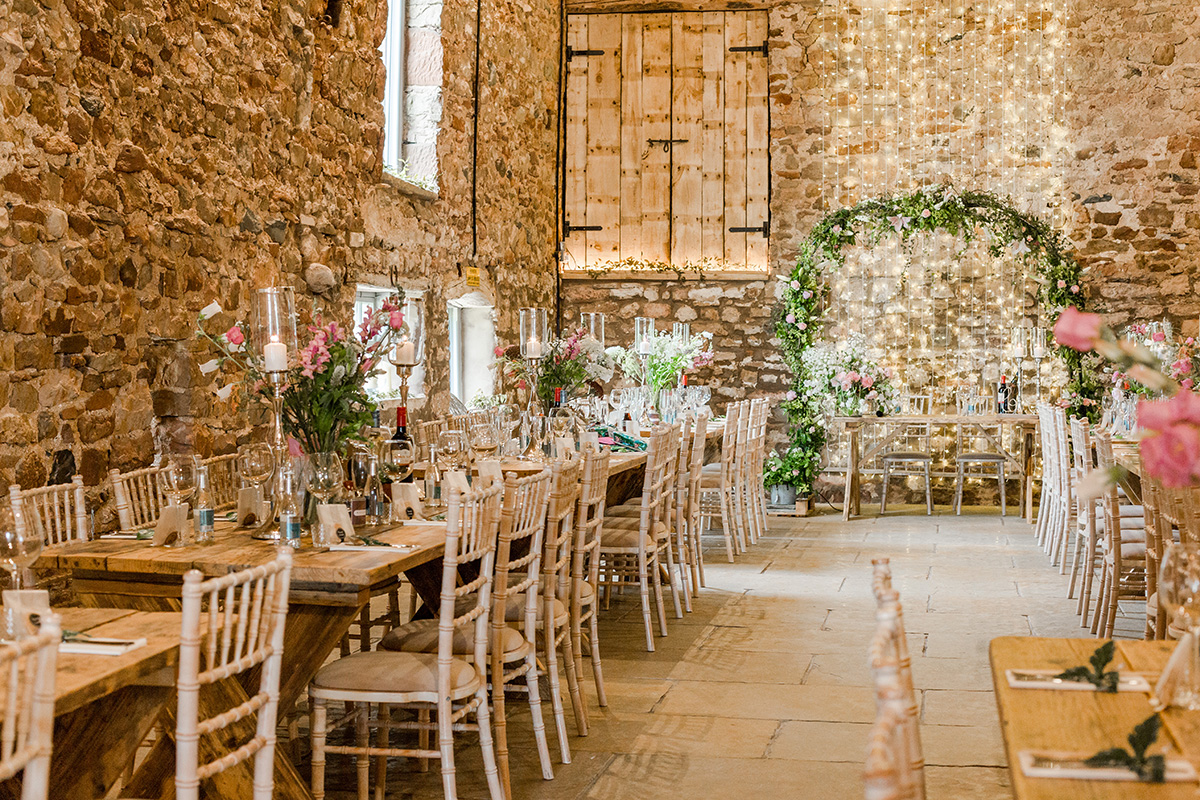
(571,363)
(697,267)
(840,379)
(1170,444)
(669,357)
(1150,769)
(1095,674)
(1180,357)
(940,208)
(325,400)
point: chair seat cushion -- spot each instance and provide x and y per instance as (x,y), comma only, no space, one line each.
(421,636)
(711,469)
(384,671)
(964,457)
(633,509)
(514,610)
(907,455)
(623,532)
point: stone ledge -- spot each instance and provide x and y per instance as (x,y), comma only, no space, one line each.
(410,189)
(645,275)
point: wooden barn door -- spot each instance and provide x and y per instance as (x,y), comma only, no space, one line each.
(666,139)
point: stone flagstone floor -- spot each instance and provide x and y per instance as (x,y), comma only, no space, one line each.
(764,689)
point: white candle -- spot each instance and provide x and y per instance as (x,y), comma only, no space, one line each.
(275,356)
(406,352)
(533,349)
(644,348)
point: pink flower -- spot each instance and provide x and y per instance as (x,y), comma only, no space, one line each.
(791,395)
(1062,284)
(1159,415)
(1187,383)
(806,294)
(234,335)
(867,381)
(836,229)
(294,448)
(803,326)
(839,377)
(853,376)
(521,384)
(1173,455)
(790,319)
(1189,340)
(1075,289)
(871,395)
(1181,367)
(1077,330)
(795,284)
(926,213)
(1159,337)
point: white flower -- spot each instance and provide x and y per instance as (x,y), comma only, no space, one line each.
(209,367)
(210,310)
(224,392)
(1094,484)
(339,372)
(1018,247)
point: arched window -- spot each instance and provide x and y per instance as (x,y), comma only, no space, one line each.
(412,95)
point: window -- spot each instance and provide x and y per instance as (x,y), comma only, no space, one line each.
(472,347)
(386,385)
(412,95)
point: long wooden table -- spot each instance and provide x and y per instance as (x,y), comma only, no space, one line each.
(1084,722)
(1022,462)
(328,589)
(105,705)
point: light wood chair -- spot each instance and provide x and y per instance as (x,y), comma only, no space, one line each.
(139,496)
(887,774)
(688,503)
(637,546)
(752,493)
(1160,532)
(1123,560)
(57,513)
(585,564)
(445,673)
(718,492)
(1050,503)
(223,480)
(914,456)
(28,727)
(966,457)
(243,616)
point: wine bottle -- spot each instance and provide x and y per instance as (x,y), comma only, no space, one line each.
(401,440)
(289,509)
(1002,395)
(377,505)
(202,515)
(558,393)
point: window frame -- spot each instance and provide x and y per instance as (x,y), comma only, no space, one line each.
(393,50)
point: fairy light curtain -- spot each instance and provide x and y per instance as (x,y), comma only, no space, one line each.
(943,91)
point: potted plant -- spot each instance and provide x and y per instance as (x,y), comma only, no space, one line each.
(790,474)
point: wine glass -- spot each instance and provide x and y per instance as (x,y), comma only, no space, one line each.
(485,441)
(180,474)
(19,545)
(562,426)
(256,463)
(533,437)
(360,470)
(508,418)
(1179,594)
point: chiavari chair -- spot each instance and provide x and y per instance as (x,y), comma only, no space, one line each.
(636,549)
(139,497)
(439,667)
(1123,560)
(717,486)
(1048,507)
(585,565)
(887,774)
(27,729)
(223,480)
(967,456)
(58,514)
(914,456)
(231,625)
(1159,533)
(691,502)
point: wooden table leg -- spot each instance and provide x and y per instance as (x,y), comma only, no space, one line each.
(1027,460)
(851,504)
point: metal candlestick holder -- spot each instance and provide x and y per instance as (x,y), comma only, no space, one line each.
(268,530)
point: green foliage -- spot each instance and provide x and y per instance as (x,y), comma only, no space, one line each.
(965,215)
(1095,674)
(1151,769)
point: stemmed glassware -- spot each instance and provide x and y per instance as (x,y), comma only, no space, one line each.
(360,470)
(1179,594)
(19,548)
(562,425)
(180,477)
(325,478)
(485,441)
(533,437)
(452,448)
(256,464)
(508,417)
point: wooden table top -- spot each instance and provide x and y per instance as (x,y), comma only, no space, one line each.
(942,419)
(1125,453)
(1084,722)
(82,679)
(235,550)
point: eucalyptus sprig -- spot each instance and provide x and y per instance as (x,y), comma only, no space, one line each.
(1096,675)
(1151,769)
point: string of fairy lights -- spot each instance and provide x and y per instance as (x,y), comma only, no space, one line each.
(923,92)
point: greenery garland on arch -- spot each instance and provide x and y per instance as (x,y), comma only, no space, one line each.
(940,208)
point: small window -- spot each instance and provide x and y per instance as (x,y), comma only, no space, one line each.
(386,386)
(472,348)
(412,95)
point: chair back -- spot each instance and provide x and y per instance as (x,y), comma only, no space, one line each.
(891,668)
(662,454)
(729,442)
(58,514)
(559,543)
(231,625)
(427,434)
(140,497)
(27,730)
(695,470)
(519,554)
(223,480)
(888,774)
(472,525)
(914,437)
(589,523)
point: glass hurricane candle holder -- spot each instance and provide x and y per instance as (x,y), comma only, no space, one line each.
(593,323)
(643,335)
(681,331)
(274,326)
(535,333)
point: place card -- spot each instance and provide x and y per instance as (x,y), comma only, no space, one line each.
(489,473)
(83,644)
(252,510)
(1048,679)
(1056,764)
(172,524)
(23,610)
(336,519)
(406,501)
(564,447)
(455,479)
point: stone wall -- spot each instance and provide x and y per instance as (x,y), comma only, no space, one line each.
(154,157)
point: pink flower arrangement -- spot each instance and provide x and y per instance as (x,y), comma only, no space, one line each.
(235,336)
(1077,330)
(1171,448)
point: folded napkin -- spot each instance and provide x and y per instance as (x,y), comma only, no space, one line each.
(455,479)
(98,646)
(1046,679)
(373,548)
(1055,764)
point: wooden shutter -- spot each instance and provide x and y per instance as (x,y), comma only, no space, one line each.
(667,139)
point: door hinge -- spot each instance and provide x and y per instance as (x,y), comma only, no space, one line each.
(666,143)
(573,53)
(751,48)
(764,229)
(568,228)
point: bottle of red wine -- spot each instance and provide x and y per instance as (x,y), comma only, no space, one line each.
(401,442)
(1002,395)
(558,393)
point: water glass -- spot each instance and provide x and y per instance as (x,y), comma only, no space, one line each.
(533,437)
(325,477)
(1179,594)
(360,470)
(452,449)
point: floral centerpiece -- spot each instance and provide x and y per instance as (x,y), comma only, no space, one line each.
(844,380)
(668,359)
(1170,443)
(573,363)
(1179,356)
(325,399)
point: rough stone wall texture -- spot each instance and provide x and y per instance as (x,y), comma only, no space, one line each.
(154,157)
